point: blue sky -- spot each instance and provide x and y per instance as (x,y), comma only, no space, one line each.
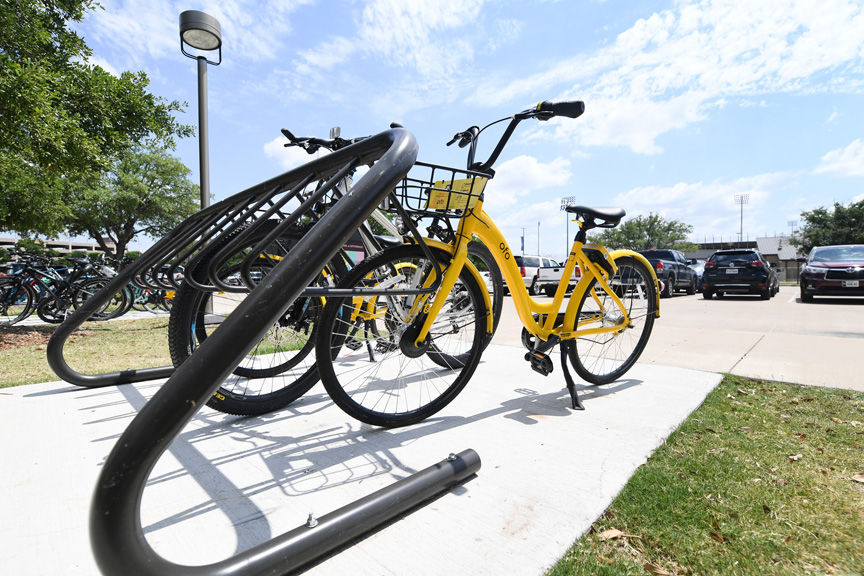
(688,103)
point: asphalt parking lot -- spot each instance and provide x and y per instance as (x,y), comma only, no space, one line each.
(783,339)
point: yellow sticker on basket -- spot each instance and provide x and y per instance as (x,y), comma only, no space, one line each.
(455,194)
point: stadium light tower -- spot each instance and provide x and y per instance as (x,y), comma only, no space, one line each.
(741,200)
(565,202)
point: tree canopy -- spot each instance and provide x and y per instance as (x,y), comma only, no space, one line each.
(824,227)
(147,192)
(645,232)
(63,120)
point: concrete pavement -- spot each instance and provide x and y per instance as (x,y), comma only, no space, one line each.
(781,339)
(229,483)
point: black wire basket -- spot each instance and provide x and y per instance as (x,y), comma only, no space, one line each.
(440,191)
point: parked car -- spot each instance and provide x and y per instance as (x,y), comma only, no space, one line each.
(672,271)
(529,268)
(832,271)
(548,278)
(742,271)
(699,267)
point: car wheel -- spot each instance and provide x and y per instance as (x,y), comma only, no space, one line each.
(706,294)
(668,287)
(765,294)
(691,289)
(719,294)
(550,291)
(806,296)
(532,290)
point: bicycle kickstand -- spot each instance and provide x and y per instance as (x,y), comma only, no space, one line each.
(571,386)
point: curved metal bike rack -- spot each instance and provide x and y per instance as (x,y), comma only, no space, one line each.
(286,198)
(117,537)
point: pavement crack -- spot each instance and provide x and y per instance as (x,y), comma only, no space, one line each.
(743,356)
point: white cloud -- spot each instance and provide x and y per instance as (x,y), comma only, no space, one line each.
(251,30)
(710,207)
(519,177)
(407,33)
(848,161)
(669,70)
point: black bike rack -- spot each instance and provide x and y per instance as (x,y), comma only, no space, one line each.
(117,537)
(287,198)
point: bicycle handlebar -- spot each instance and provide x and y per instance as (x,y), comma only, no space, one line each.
(543,111)
(570,109)
(312,144)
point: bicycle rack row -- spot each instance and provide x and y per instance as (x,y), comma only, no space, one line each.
(216,232)
(117,537)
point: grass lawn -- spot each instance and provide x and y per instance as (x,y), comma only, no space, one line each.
(764,478)
(95,348)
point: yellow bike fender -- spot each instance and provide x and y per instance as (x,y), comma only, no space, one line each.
(476,274)
(619,253)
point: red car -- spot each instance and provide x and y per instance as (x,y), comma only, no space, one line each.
(833,271)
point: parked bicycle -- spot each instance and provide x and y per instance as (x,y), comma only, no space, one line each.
(281,367)
(51,292)
(420,318)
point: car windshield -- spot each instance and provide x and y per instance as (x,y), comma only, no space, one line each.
(838,254)
(734,259)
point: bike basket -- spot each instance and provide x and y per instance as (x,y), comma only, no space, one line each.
(432,190)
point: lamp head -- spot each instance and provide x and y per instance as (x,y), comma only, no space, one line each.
(200,31)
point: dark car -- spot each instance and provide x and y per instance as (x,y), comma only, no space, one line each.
(833,271)
(742,271)
(699,267)
(672,271)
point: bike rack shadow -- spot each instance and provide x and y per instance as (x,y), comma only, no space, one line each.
(116,534)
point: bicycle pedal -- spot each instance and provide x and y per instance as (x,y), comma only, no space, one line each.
(384,346)
(539,362)
(353,344)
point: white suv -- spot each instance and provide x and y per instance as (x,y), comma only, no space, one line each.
(528,266)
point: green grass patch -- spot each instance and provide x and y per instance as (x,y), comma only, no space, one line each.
(763,479)
(96,347)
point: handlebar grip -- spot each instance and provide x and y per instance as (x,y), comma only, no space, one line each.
(571,109)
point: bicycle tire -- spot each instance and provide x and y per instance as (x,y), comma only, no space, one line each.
(16,301)
(604,358)
(113,308)
(254,388)
(420,387)
(49,312)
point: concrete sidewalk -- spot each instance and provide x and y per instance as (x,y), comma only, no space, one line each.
(229,483)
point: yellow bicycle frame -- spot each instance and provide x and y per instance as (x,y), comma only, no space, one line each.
(478,223)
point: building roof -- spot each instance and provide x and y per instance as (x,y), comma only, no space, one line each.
(778,246)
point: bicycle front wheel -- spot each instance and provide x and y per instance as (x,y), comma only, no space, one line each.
(16,301)
(605,357)
(367,357)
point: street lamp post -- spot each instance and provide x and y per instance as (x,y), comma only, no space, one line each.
(202,32)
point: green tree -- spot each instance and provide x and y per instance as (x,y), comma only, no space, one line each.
(63,120)
(823,227)
(148,191)
(644,232)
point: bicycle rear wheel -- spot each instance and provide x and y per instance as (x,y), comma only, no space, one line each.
(16,301)
(603,358)
(367,359)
